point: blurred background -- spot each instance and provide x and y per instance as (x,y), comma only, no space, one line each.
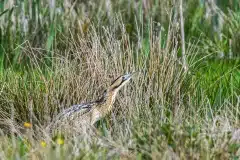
(41,23)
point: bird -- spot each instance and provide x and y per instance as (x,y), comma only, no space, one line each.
(87,114)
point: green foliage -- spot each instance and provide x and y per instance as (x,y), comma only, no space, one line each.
(219,79)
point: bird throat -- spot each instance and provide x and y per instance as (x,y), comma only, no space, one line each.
(108,101)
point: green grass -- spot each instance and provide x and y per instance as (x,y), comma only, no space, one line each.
(52,57)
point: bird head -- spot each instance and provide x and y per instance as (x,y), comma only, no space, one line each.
(118,83)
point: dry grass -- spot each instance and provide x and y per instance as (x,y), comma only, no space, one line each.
(160,114)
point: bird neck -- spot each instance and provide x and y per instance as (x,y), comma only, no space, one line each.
(107,101)
(110,100)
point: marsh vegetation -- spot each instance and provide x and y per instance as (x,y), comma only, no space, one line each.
(183,104)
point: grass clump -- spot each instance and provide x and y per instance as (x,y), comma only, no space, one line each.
(165,112)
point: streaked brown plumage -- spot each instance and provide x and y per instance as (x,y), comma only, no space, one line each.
(88,114)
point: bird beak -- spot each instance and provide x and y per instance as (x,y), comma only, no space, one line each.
(127,77)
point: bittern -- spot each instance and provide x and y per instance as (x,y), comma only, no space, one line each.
(88,114)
